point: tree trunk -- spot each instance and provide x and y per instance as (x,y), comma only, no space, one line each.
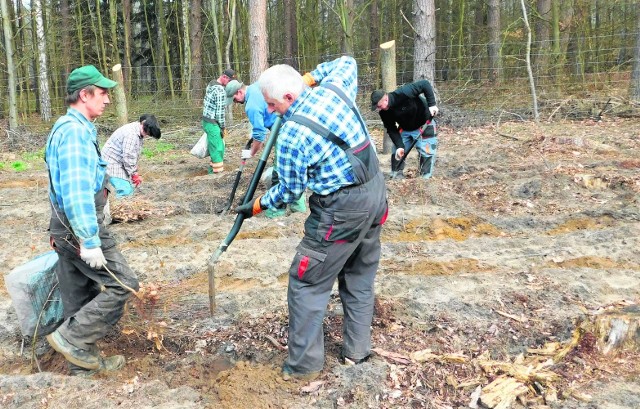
(232,31)
(127,69)
(197,93)
(119,96)
(461,43)
(476,47)
(113,20)
(217,41)
(43,73)
(290,34)
(258,40)
(493,48)
(634,86)
(425,42)
(164,45)
(66,40)
(100,37)
(79,31)
(23,67)
(11,70)
(543,36)
(388,73)
(528,61)
(186,50)
(155,56)
(374,33)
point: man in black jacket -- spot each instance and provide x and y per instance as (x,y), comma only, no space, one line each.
(407,114)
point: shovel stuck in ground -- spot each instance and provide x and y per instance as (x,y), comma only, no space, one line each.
(270,142)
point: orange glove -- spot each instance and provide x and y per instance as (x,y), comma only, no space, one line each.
(250,209)
(309,80)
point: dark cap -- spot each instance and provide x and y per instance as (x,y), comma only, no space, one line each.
(88,75)
(229,73)
(375,97)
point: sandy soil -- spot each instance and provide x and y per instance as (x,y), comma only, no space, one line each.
(521,235)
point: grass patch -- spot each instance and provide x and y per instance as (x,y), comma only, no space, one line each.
(18,166)
(156,149)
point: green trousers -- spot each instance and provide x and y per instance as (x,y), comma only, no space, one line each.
(214,141)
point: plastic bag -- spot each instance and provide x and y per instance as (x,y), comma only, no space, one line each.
(200,149)
(33,288)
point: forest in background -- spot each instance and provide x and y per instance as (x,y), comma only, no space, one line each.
(170,50)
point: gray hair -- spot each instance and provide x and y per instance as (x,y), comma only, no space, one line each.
(279,80)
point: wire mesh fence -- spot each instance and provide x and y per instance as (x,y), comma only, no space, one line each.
(574,85)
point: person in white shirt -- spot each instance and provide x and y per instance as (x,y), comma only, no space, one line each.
(122,151)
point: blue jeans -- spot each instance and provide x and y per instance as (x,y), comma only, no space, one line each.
(427,147)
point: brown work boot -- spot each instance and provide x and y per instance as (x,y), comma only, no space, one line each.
(110,363)
(73,354)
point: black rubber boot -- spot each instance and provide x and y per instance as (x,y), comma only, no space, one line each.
(397,172)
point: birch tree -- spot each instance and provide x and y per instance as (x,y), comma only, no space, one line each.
(43,73)
(11,71)
(528,61)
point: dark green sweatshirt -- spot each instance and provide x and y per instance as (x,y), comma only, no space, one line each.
(408,109)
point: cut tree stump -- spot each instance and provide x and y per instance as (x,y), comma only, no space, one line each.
(502,392)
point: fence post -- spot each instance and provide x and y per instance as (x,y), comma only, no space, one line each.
(388,72)
(119,96)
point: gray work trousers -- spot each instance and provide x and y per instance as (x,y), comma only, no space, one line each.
(92,299)
(342,240)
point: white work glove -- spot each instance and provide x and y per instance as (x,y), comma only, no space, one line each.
(246,154)
(433,110)
(93,257)
(399,153)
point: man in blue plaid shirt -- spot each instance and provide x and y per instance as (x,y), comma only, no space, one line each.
(95,280)
(324,146)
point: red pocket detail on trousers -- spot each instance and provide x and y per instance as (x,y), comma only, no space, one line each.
(302,267)
(326,236)
(384,218)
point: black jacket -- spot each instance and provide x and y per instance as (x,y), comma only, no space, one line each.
(408,109)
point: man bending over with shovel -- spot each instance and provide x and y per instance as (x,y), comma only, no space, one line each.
(261,119)
(325,146)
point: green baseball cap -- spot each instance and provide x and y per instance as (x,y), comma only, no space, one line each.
(85,76)
(232,87)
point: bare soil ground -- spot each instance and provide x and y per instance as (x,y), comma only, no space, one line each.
(522,233)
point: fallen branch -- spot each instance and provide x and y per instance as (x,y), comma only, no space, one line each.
(275,342)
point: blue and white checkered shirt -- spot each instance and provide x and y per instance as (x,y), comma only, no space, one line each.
(77,172)
(306,159)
